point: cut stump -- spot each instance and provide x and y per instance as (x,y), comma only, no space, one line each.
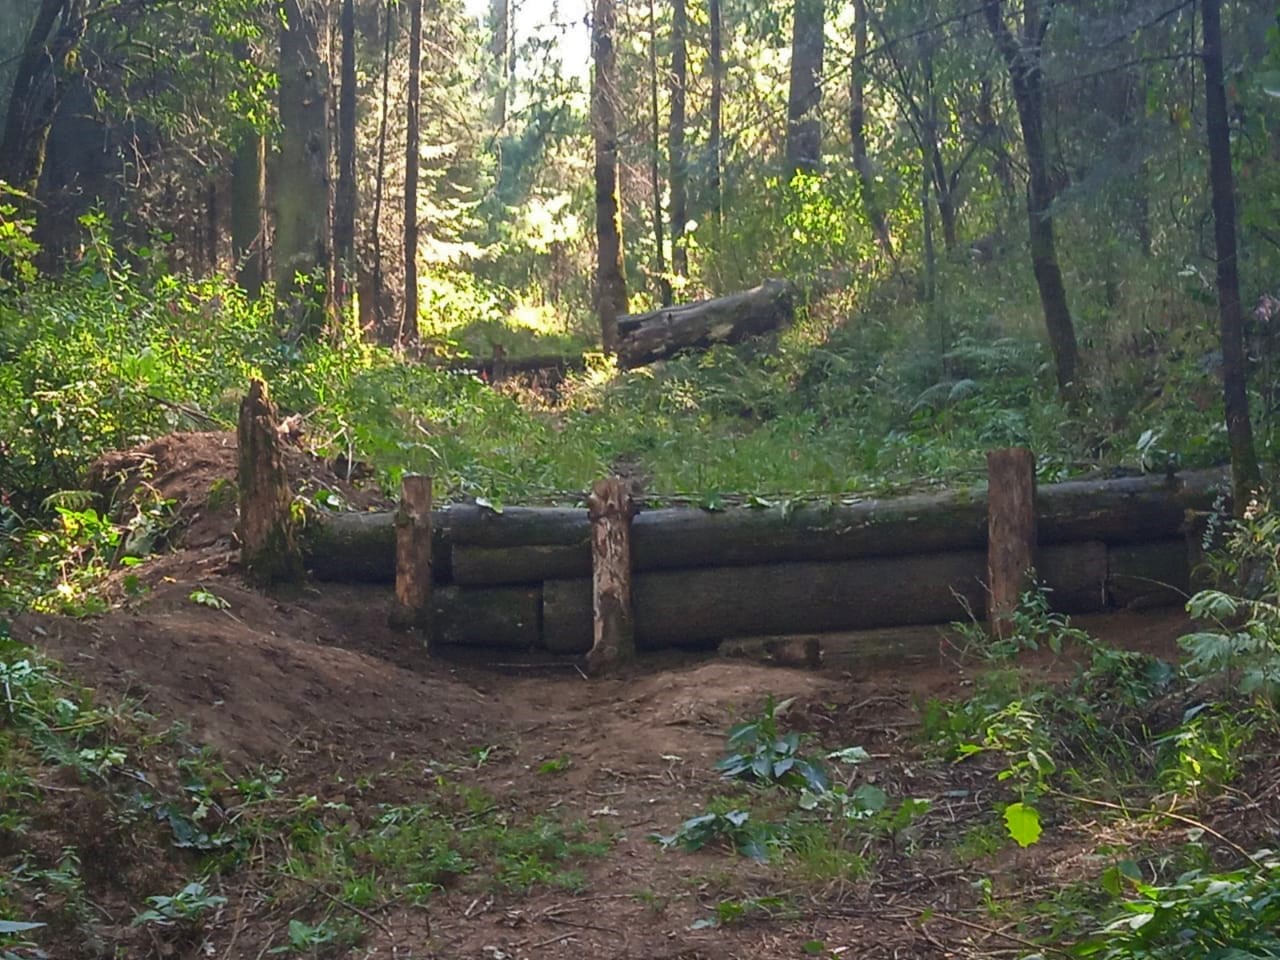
(269,550)
(1011,532)
(413,607)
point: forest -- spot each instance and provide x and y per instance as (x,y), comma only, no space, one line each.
(794,308)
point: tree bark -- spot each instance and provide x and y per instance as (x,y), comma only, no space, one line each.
(716,135)
(344,208)
(1011,532)
(499,43)
(611,284)
(303,258)
(503,617)
(380,177)
(858,132)
(1246,477)
(40,82)
(413,556)
(269,551)
(655,156)
(1022,58)
(679,163)
(248,193)
(804,97)
(409,319)
(647,337)
(610,509)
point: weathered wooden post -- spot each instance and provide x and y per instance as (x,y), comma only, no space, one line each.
(269,551)
(1011,531)
(413,609)
(611,510)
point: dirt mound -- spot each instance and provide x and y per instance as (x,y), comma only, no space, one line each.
(262,679)
(197,471)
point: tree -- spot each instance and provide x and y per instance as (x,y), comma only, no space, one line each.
(499,53)
(344,206)
(858,132)
(655,155)
(412,159)
(804,98)
(715,136)
(248,193)
(679,163)
(303,258)
(380,171)
(1245,476)
(40,82)
(1022,56)
(611,284)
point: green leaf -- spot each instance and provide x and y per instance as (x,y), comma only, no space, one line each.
(813,947)
(1023,823)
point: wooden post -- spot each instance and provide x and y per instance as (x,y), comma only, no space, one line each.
(1011,531)
(413,609)
(611,509)
(269,551)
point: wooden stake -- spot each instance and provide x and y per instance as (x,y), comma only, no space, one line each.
(611,509)
(1011,531)
(413,610)
(269,551)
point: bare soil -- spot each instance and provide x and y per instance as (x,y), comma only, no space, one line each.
(318,685)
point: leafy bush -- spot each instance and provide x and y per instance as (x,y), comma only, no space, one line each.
(761,754)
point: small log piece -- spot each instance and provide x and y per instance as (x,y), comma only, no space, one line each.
(1011,531)
(413,556)
(614,638)
(269,551)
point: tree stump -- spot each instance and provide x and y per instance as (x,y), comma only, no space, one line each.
(1011,532)
(610,508)
(269,551)
(413,609)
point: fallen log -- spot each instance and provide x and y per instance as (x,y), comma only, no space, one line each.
(1146,575)
(518,540)
(646,337)
(698,608)
(507,617)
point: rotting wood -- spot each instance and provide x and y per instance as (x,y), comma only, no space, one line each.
(269,551)
(614,635)
(660,334)
(413,606)
(1011,532)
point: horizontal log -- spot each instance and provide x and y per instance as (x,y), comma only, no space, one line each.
(500,368)
(1126,510)
(1147,575)
(646,337)
(507,617)
(798,651)
(698,608)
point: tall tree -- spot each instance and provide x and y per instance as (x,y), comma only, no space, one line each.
(1245,476)
(611,284)
(1022,56)
(804,97)
(248,194)
(344,205)
(412,160)
(858,131)
(39,85)
(678,178)
(499,54)
(303,258)
(655,155)
(380,172)
(716,135)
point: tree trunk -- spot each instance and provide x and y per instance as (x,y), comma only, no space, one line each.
(646,337)
(804,97)
(380,177)
(39,84)
(269,551)
(614,634)
(1011,532)
(248,191)
(499,43)
(858,133)
(409,319)
(655,156)
(611,284)
(303,259)
(344,212)
(679,176)
(1022,57)
(413,556)
(1246,477)
(716,135)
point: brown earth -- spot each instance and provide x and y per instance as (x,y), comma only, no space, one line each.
(317,685)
